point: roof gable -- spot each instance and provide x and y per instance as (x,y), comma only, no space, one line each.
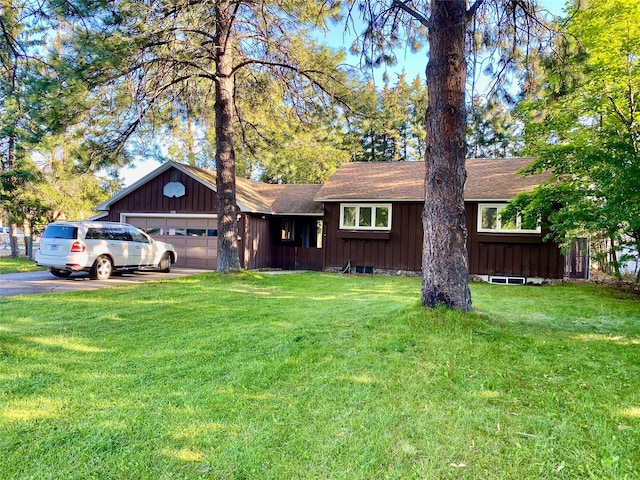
(487,179)
(251,196)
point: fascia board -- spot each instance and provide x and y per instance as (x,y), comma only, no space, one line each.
(294,214)
(366,200)
(487,200)
(404,200)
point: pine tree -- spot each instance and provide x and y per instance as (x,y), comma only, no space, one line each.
(139,57)
(445,25)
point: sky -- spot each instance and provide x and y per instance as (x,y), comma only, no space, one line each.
(413,64)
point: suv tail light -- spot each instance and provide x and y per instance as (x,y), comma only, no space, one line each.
(78,247)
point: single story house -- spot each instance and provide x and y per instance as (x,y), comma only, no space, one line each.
(177,203)
(365,218)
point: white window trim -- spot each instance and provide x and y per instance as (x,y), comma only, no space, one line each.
(357,206)
(499,229)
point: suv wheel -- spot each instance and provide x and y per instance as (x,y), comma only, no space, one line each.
(60,273)
(165,263)
(101,269)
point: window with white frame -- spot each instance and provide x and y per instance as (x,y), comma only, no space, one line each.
(490,220)
(355,216)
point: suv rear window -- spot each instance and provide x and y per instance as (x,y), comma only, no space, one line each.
(61,231)
(107,233)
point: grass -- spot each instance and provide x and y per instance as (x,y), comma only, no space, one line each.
(317,376)
(19,264)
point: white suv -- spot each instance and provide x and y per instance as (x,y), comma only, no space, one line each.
(100,248)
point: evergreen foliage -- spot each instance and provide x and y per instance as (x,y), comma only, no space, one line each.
(390,126)
(457,32)
(584,125)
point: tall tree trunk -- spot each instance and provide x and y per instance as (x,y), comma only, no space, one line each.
(636,237)
(613,256)
(28,239)
(191,148)
(228,254)
(11,165)
(445,269)
(13,240)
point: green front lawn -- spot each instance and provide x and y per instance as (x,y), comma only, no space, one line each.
(14,265)
(316,376)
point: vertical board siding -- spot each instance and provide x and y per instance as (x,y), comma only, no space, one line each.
(517,255)
(297,258)
(402,251)
(255,244)
(148,198)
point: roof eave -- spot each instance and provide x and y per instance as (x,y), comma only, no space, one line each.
(368,200)
(297,214)
(397,200)
(502,200)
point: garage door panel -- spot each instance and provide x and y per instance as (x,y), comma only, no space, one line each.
(175,240)
(152,222)
(200,263)
(198,249)
(196,241)
(199,223)
(177,222)
(197,252)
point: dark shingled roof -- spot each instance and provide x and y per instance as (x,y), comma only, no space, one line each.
(487,179)
(261,197)
(292,198)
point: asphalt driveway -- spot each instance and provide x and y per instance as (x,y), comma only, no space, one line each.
(43,282)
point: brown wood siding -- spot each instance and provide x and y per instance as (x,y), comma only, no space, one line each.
(255,242)
(148,198)
(297,258)
(401,250)
(521,255)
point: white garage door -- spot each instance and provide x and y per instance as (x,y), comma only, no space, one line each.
(195,238)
